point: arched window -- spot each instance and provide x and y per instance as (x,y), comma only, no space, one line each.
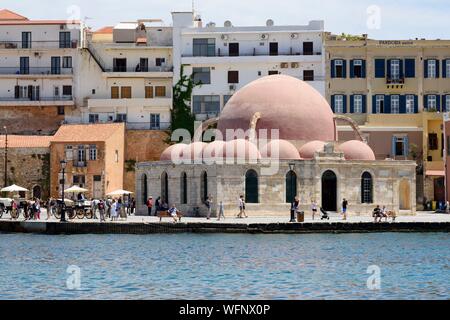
(183,188)
(144,188)
(366,188)
(329,191)
(251,187)
(165,188)
(291,186)
(204,186)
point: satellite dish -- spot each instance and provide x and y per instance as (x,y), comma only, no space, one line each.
(228,24)
(270,23)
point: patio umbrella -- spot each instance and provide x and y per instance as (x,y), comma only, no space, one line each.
(75,189)
(119,193)
(14,188)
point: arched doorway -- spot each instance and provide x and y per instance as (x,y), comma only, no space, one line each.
(329,191)
(405,195)
(291,186)
(37,192)
(204,186)
(165,188)
(183,188)
(144,188)
(366,188)
(251,187)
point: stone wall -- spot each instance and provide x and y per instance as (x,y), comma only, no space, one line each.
(28,168)
(31,120)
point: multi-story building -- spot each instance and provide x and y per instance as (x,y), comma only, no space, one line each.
(126,76)
(395,91)
(38,59)
(224,59)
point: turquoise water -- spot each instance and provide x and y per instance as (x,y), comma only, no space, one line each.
(188,266)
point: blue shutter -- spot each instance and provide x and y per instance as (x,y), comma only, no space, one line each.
(425,69)
(416,104)
(374,104)
(444,69)
(363,69)
(364,103)
(438,102)
(406,146)
(402,74)
(344,69)
(389,68)
(333,97)
(352,103)
(387,104)
(402,104)
(425,101)
(352,70)
(380,68)
(394,141)
(437,69)
(333,66)
(410,68)
(344,99)
(444,103)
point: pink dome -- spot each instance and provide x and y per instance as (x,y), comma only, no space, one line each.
(285,103)
(241,149)
(173,152)
(309,150)
(214,150)
(193,151)
(356,150)
(281,149)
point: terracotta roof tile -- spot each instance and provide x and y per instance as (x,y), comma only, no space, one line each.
(6,14)
(26,141)
(105,30)
(86,132)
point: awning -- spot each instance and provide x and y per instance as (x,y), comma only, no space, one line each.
(435,173)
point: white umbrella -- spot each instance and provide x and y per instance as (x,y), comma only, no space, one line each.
(75,189)
(14,188)
(119,193)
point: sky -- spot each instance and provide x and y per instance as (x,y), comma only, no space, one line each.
(381,19)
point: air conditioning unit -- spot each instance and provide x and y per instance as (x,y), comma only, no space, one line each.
(62,27)
(264,36)
(284,65)
(295,65)
(224,37)
(232,87)
(294,35)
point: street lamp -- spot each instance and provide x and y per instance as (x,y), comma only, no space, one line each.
(63,182)
(292,168)
(6,157)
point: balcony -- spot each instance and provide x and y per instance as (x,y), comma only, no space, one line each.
(35,71)
(79,164)
(30,45)
(395,82)
(147,126)
(40,101)
(139,72)
(160,103)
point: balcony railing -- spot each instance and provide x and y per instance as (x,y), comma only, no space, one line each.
(140,125)
(60,98)
(71,44)
(139,69)
(79,164)
(254,54)
(395,80)
(36,71)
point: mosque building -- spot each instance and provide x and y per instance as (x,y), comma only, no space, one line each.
(289,148)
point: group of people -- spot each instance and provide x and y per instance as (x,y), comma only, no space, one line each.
(113,209)
(31,209)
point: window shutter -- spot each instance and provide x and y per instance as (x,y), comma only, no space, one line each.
(344,67)
(363,69)
(333,103)
(444,68)
(425,69)
(364,103)
(438,102)
(406,146)
(352,103)
(410,68)
(402,104)
(394,141)
(344,99)
(380,68)
(444,103)
(333,73)
(352,70)
(16,92)
(389,68)
(374,104)
(402,73)
(38,93)
(387,104)
(30,92)
(416,104)
(425,101)
(437,69)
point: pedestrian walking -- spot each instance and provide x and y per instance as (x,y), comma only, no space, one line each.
(313,208)
(101,209)
(208,204)
(38,209)
(221,211)
(114,210)
(133,205)
(150,206)
(344,208)
(157,206)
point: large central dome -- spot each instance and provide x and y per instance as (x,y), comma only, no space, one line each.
(285,103)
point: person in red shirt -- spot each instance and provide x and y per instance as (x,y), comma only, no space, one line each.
(150,206)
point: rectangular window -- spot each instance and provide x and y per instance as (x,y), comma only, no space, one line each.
(121,117)
(93,118)
(79,181)
(148,92)
(226,98)
(395,69)
(67,91)
(339,104)
(308,75)
(119,65)
(233,76)
(202,75)
(447,103)
(125,92)
(55,65)
(308,48)
(155,123)
(61,111)
(160,91)
(400,147)
(115,93)
(395,104)
(24,65)
(273,72)
(159,62)
(97,178)
(273,48)
(81,155)
(67,62)
(143,65)
(93,153)
(204,47)
(432,102)
(233,49)
(339,68)
(69,153)
(26,40)
(447,68)
(357,68)
(357,103)
(56,92)
(379,104)
(431,69)
(433,143)
(409,103)
(206,104)
(65,40)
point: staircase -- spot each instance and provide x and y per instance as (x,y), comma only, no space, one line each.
(96,56)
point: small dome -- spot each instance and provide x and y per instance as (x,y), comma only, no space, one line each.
(214,150)
(193,151)
(308,150)
(173,152)
(280,149)
(241,149)
(356,150)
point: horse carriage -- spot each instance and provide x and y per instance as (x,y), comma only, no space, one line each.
(79,209)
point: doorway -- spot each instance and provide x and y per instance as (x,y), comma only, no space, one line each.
(329,191)
(439,189)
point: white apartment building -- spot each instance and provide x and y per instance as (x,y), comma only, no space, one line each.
(126,75)
(38,59)
(224,59)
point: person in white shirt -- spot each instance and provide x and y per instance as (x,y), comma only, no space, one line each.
(174,213)
(313,208)
(221,211)
(241,207)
